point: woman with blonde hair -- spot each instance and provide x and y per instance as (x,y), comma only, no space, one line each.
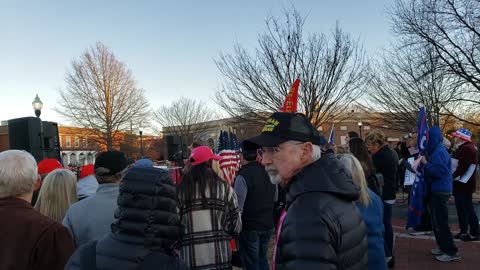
(371,210)
(58,193)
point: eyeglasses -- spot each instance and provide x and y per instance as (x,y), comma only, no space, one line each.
(272,150)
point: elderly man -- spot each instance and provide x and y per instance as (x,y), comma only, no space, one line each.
(90,218)
(29,240)
(321,229)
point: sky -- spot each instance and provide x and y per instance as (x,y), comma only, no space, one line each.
(170,46)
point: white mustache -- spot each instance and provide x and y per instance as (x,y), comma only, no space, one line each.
(271,169)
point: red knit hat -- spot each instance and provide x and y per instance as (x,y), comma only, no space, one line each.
(87,170)
(47,165)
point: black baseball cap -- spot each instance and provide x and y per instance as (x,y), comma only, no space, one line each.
(112,162)
(248,147)
(283,126)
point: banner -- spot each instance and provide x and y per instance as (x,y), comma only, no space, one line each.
(290,103)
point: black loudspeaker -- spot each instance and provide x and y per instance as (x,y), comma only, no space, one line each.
(174,147)
(51,140)
(26,134)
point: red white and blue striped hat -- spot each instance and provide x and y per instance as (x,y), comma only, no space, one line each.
(463,134)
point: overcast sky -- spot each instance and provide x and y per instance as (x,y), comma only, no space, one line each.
(170,46)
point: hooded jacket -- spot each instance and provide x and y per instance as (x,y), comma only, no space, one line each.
(322,228)
(147,222)
(438,170)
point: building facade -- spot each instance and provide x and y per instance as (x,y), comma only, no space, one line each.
(77,146)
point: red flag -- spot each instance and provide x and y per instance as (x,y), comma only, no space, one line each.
(290,103)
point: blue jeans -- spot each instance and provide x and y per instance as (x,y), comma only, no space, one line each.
(443,235)
(466,214)
(253,247)
(387,223)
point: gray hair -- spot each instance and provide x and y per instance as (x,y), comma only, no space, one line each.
(316,150)
(18,173)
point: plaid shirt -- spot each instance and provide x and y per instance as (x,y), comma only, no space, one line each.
(208,229)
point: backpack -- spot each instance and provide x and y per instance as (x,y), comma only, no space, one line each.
(375,183)
(88,259)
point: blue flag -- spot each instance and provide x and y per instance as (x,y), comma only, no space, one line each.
(418,191)
(331,138)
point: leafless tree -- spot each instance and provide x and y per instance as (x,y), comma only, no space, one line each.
(452,29)
(185,117)
(101,94)
(408,78)
(332,70)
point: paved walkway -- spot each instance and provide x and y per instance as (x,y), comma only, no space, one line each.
(413,252)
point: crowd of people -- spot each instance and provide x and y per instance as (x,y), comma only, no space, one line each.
(318,208)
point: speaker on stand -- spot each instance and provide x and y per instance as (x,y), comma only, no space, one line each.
(26,134)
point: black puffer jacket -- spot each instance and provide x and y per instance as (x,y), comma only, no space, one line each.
(147,221)
(322,228)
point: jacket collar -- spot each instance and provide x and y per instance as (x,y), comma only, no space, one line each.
(108,188)
(13,202)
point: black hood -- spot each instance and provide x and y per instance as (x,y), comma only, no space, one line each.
(325,175)
(147,209)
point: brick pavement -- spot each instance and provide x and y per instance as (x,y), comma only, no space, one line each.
(413,252)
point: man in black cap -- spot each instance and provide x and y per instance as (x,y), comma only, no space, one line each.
(321,229)
(90,219)
(255,196)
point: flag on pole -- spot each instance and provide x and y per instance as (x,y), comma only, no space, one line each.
(331,137)
(290,103)
(418,191)
(227,149)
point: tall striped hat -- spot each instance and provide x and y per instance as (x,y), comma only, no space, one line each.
(463,134)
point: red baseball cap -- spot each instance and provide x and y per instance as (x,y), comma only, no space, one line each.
(87,170)
(202,154)
(47,165)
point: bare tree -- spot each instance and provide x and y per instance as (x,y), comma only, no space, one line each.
(452,29)
(332,72)
(101,94)
(185,117)
(408,78)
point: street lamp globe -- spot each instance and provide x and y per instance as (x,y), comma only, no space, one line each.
(360,124)
(37,105)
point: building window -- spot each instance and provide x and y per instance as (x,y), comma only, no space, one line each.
(68,142)
(343,127)
(366,127)
(343,140)
(77,141)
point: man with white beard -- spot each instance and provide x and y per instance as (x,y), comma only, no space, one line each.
(321,229)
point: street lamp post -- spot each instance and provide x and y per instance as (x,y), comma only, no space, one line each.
(360,128)
(140,130)
(37,105)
